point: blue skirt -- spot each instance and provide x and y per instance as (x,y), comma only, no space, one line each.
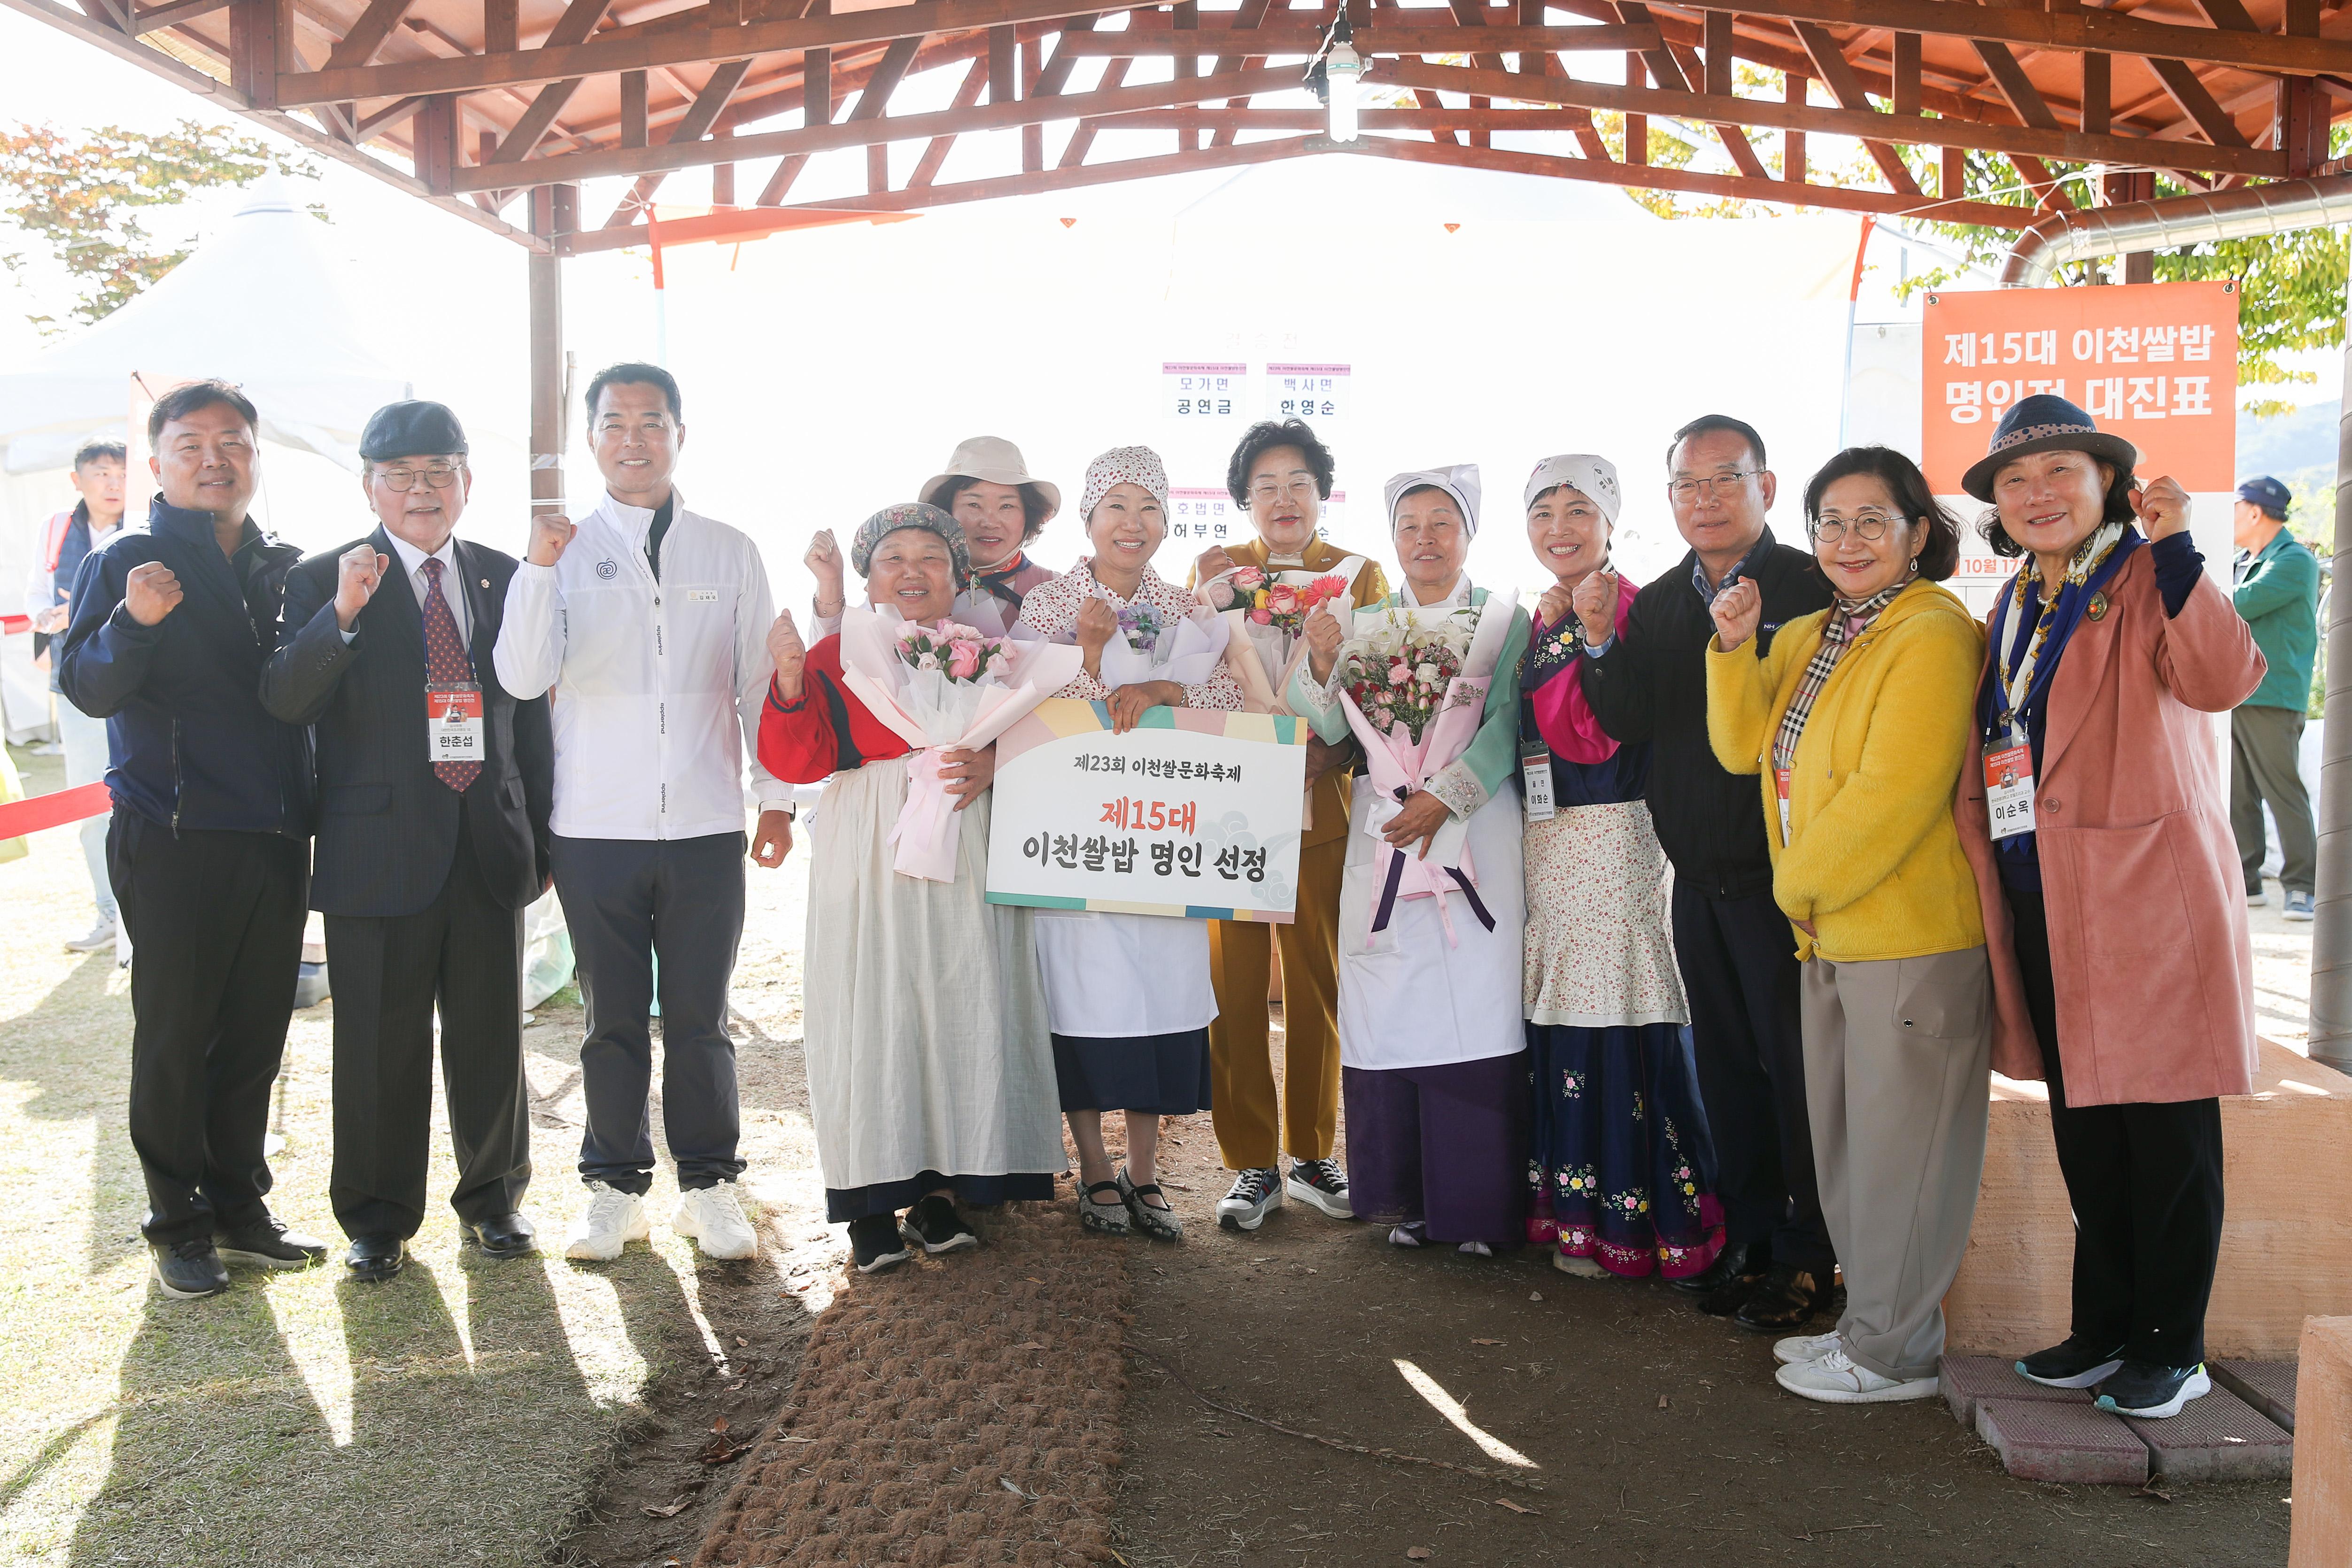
(1151,1074)
(1622,1167)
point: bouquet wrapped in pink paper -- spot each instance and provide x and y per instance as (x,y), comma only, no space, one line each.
(1413,686)
(1267,611)
(940,688)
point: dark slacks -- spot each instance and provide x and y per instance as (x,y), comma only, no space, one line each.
(1447,1144)
(2145,1181)
(628,902)
(1739,962)
(2265,745)
(462,952)
(216,921)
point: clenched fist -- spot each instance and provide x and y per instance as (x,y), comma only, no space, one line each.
(824,561)
(1097,624)
(791,657)
(1737,611)
(2163,507)
(151,592)
(549,532)
(1595,602)
(357,574)
(1212,562)
(1324,635)
(1557,603)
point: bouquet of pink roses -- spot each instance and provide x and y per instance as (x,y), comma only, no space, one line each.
(958,651)
(1404,678)
(1271,601)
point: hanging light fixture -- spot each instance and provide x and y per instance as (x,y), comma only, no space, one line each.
(1334,74)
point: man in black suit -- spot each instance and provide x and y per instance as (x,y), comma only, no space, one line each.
(434,786)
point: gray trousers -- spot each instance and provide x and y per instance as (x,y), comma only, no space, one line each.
(629,902)
(2262,746)
(1896,1053)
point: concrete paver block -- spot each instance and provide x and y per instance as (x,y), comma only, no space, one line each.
(2267,1386)
(2046,1441)
(1967,1381)
(2216,1437)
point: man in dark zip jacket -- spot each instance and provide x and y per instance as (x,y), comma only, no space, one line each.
(208,849)
(1732,943)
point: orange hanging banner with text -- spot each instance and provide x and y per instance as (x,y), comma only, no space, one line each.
(2155,363)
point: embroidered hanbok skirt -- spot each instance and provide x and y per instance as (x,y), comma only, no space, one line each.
(1621,1168)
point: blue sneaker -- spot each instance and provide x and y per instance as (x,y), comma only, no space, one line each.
(2299,906)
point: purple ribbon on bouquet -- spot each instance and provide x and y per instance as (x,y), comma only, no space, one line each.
(1395,879)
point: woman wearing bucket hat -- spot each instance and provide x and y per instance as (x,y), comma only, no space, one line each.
(988,490)
(2100,836)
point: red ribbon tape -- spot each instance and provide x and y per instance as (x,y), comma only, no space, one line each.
(21,817)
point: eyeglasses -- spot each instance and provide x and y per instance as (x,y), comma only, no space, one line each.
(1869,525)
(439,476)
(1267,490)
(1718,486)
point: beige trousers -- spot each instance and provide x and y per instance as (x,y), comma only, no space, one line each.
(1896,1053)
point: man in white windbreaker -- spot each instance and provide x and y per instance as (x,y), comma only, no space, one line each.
(648,625)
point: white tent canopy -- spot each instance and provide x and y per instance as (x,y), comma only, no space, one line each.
(257,305)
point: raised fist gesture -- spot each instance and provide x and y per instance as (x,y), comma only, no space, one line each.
(1556,606)
(1324,635)
(2162,505)
(1595,602)
(549,532)
(790,655)
(824,563)
(151,592)
(357,573)
(1737,611)
(1212,562)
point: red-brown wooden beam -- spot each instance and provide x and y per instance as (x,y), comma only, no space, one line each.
(927,168)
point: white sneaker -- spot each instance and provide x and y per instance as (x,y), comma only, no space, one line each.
(99,936)
(611,1221)
(1583,1268)
(1800,1348)
(1834,1380)
(1255,1193)
(714,1217)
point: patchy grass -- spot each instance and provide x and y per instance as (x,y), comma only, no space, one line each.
(464,1413)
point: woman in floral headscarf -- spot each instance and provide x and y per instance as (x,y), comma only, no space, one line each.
(1128,994)
(930,1079)
(1622,1167)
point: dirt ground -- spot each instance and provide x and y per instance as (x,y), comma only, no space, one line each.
(1656,1433)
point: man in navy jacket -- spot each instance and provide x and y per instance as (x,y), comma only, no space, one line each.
(208,846)
(432,840)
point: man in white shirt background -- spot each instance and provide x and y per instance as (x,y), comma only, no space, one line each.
(647,624)
(66,538)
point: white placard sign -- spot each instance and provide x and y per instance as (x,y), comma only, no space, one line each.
(1195,813)
(1307,392)
(1195,391)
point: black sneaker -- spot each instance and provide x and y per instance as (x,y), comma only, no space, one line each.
(1255,1194)
(2154,1392)
(189,1269)
(267,1244)
(934,1224)
(2077,1364)
(874,1243)
(1322,1185)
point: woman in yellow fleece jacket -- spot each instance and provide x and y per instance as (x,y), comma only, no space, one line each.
(1858,720)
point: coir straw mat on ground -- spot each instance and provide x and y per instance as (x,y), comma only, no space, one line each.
(963,1409)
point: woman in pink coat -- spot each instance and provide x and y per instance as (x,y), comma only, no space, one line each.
(2101,837)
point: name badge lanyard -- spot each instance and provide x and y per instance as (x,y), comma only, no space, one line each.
(2009,752)
(453,717)
(1536,794)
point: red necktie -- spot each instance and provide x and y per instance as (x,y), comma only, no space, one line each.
(445,660)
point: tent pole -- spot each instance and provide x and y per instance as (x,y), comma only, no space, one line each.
(546,359)
(2331,947)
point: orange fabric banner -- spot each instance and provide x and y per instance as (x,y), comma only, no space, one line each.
(2155,363)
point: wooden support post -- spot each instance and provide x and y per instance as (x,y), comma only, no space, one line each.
(499,27)
(633,110)
(1952,183)
(1032,136)
(436,142)
(1792,142)
(253,44)
(816,87)
(1907,73)
(1716,45)
(1004,65)
(2304,110)
(546,269)
(722,175)
(1188,67)
(2098,94)
(1637,126)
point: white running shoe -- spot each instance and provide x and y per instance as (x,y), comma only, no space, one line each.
(1804,1347)
(99,936)
(1322,1185)
(611,1221)
(1834,1380)
(714,1217)
(1255,1193)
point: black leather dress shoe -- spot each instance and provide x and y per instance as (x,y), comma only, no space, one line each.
(373,1259)
(1738,1257)
(505,1235)
(1748,1272)
(1784,1300)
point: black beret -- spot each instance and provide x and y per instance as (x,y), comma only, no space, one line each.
(412,430)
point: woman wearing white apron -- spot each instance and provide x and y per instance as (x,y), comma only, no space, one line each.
(1127,996)
(1432,1058)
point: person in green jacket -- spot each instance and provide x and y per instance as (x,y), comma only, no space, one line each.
(2277,592)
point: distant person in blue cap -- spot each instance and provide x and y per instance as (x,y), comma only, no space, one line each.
(2277,592)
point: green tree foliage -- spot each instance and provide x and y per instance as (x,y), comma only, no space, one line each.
(81,193)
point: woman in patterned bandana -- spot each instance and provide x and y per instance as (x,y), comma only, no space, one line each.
(1621,1169)
(1855,719)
